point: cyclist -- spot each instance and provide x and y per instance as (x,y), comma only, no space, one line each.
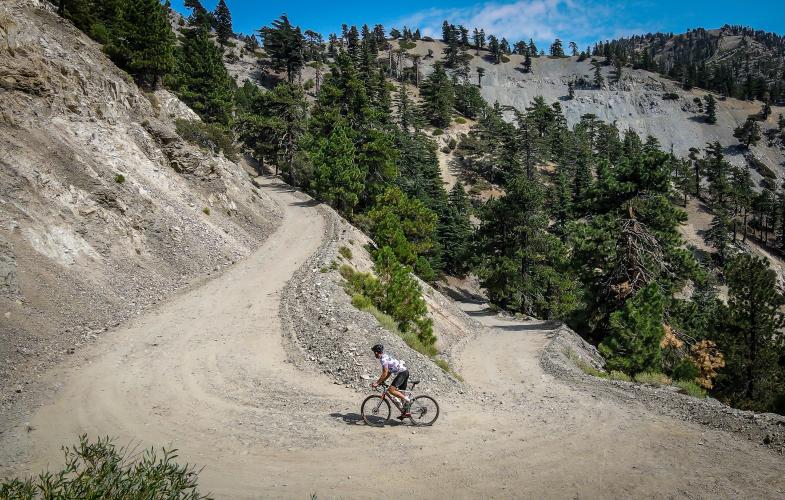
(392,366)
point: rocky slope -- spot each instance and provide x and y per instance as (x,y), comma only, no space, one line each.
(636,102)
(104,209)
(324,330)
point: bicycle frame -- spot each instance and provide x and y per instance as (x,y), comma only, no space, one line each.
(386,394)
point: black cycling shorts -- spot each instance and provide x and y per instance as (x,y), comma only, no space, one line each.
(399,382)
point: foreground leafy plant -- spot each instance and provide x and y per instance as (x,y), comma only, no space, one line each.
(101,470)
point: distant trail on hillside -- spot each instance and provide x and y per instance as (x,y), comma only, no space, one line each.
(207,373)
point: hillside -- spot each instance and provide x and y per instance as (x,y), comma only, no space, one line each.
(105,210)
(736,61)
(168,296)
(636,102)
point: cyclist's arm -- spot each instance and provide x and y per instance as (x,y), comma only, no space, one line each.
(383,377)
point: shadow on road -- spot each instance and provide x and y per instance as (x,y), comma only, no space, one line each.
(357,419)
(462,295)
(543,325)
(482,312)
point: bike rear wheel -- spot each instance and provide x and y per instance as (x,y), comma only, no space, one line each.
(424,410)
(375,411)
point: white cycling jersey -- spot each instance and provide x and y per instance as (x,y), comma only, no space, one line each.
(393,365)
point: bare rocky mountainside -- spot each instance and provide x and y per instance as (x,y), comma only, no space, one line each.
(105,210)
(167,296)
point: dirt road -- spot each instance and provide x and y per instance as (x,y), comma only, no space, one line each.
(208,374)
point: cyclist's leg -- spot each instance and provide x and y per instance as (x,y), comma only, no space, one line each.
(399,384)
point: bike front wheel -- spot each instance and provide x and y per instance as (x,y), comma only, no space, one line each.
(424,410)
(375,411)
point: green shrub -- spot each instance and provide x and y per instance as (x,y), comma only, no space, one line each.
(460,120)
(385,320)
(308,84)
(119,178)
(406,45)
(633,343)
(437,131)
(652,378)
(691,388)
(446,150)
(345,252)
(505,59)
(346,271)
(206,210)
(99,470)
(361,302)
(210,136)
(445,366)
(617,375)
(685,370)
(670,96)
(584,366)
(453,143)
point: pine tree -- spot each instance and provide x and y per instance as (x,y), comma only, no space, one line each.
(711,109)
(533,52)
(522,266)
(598,79)
(456,231)
(404,224)
(574,48)
(337,178)
(557,49)
(719,233)
(633,344)
(284,44)
(480,74)
(438,97)
(495,49)
(223,22)
(527,62)
(748,133)
(781,123)
(273,126)
(200,78)
(146,43)
(749,335)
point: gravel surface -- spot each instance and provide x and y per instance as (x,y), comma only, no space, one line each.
(762,428)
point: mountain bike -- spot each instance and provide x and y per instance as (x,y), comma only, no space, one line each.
(376,409)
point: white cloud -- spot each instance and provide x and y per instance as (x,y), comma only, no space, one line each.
(543,20)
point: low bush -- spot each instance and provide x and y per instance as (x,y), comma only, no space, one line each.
(206,210)
(119,178)
(345,252)
(617,375)
(505,59)
(100,470)
(460,120)
(210,136)
(652,378)
(407,45)
(361,301)
(437,132)
(670,96)
(691,388)
(584,366)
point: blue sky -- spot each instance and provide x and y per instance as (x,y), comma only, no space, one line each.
(584,21)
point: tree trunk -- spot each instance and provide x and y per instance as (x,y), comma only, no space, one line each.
(744,236)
